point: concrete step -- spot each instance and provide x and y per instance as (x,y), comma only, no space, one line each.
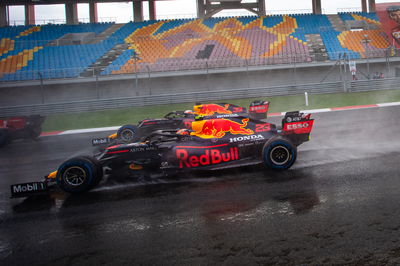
(337,22)
(104,61)
(107,33)
(316,47)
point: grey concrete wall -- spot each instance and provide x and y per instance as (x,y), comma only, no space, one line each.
(3,16)
(65,91)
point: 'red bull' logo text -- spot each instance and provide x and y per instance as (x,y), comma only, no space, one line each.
(217,128)
(210,109)
(209,157)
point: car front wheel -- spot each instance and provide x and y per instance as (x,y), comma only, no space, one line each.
(79,174)
(127,133)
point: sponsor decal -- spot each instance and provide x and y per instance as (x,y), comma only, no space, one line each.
(210,109)
(237,109)
(16,120)
(133,147)
(222,116)
(208,157)
(263,127)
(100,141)
(27,188)
(259,108)
(217,128)
(299,127)
(242,138)
(290,119)
(139,149)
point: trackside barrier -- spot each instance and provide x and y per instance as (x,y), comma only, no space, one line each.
(373,84)
(126,102)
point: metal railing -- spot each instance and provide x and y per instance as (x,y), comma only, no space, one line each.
(62,21)
(126,102)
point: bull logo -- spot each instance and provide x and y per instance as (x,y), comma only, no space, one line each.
(217,128)
(210,109)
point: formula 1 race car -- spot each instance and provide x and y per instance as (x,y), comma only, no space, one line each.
(211,144)
(20,127)
(182,119)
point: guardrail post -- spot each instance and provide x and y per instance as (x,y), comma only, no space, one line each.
(247,73)
(387,55)
(344,85)
(345,64)
(295,71)
(340,67)
(208,77)
(306,97)
(41,86)
(148,83)
(97,84)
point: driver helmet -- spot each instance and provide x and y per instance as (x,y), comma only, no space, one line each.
(183,132)
(198,117)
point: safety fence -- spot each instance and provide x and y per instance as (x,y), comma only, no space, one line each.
(162,99)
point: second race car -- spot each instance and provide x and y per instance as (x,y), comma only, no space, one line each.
(183,119)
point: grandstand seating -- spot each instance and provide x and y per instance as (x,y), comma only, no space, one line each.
(30,52)
(367,17)
(221,42)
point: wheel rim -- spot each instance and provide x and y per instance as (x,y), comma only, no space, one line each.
(279,155)
(127,135)
(75,176)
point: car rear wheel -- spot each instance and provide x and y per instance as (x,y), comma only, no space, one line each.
(4,137)
(127,133)
(279,153)
(35,132)
(79,174)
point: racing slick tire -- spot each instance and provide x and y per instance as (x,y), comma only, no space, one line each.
(4,137)
(279,154)
(127,133)
(79,174)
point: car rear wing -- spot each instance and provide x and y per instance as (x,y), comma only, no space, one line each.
(297,126)
(258,109)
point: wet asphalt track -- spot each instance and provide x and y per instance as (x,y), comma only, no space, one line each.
(339,204)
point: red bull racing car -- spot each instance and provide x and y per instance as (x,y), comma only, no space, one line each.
(211,144)
(182,119)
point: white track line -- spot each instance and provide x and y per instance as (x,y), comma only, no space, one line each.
(88,130)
